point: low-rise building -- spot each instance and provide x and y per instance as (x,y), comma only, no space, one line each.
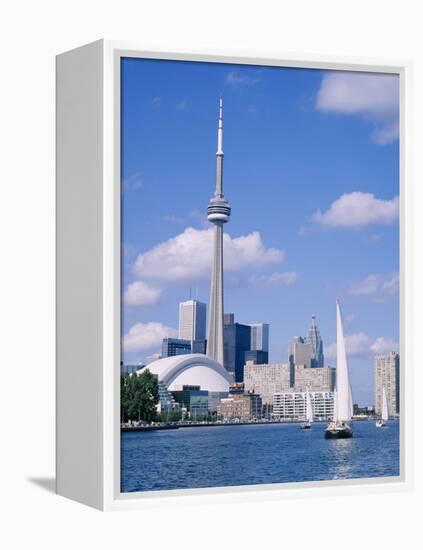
(292,405)
(193,400)
(240,406)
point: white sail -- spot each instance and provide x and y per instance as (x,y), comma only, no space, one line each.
(309,408)
(385,414)
(343,389)
(335,406)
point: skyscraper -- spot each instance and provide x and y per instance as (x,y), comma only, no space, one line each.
(316,342)
(236,340)
(387,376)
(218,213)
(300,352)
(192,321)
(259,337)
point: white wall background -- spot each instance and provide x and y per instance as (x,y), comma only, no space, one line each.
(32,33)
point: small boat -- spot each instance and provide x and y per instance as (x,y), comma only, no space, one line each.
(338,427)
(309,414)
(381,423)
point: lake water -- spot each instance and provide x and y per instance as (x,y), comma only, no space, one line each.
(248,455)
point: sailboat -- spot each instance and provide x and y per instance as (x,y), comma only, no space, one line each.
(381,423)
(309,413)
(339,427)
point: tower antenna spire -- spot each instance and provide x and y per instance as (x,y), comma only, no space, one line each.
(219,153)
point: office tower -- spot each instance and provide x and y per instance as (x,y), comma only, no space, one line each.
(192,321)
(218,213)
(236,341)
(307,379)
(316,342)
(175,346)
(300,352)
(266,380)
(387,376)
(228,318)
(256,356)
(260,337)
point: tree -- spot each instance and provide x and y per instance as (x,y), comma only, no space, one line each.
(139,396)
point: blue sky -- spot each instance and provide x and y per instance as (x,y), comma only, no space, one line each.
(311,171)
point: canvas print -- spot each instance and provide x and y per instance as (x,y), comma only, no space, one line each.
(260,275)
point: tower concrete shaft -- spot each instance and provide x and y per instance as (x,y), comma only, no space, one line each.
(218,213)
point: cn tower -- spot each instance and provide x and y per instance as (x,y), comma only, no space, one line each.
(218,213)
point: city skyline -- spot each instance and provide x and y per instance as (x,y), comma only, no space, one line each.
(287,279)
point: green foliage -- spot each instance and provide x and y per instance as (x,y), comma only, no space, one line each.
(171,416)
(139,395)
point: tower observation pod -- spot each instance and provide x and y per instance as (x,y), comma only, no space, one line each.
(218,213)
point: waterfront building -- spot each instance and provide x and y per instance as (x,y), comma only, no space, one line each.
(315,340)
(218,213)
(240,406)
(191,369)
(267,379)
(166,402)
(236,339)
(194,400)
(317,379)
(175,346)
(214,398)
(387,375)
(293,405)
(300,352)
(192,324)
(236,387)
(260,337)
(256,356)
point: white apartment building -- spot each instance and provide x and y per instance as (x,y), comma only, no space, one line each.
(292,405)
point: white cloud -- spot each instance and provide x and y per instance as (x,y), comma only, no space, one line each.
(181,106)
(134,181)
(172,218)
(188,256)
(278,278)
(141,294)
(356,210)
(361,344)
(379,287)
(374,96)
(156,102)
(235,78)
(143,337)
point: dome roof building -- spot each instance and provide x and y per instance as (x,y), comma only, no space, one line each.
(193,369)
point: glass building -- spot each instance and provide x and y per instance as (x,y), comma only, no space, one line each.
(236,341)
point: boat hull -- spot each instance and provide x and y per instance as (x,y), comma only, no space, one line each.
(338,433)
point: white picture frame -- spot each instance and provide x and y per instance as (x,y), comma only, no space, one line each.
(88,278)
